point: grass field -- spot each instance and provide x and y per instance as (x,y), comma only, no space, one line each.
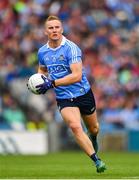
(69,165)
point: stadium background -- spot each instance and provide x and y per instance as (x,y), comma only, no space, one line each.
(108,33)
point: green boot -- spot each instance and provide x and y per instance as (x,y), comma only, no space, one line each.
(100,166)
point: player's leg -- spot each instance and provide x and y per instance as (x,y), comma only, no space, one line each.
(71,116)
(87,107)
(93,128)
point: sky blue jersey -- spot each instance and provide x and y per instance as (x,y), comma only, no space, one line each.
(58,61)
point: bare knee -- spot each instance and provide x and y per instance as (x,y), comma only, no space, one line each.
(76,128)
(94,129)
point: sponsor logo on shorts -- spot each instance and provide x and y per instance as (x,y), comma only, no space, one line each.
(92,109)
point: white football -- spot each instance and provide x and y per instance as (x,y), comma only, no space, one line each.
(33,81)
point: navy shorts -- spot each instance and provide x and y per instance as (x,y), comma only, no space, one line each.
(85,103)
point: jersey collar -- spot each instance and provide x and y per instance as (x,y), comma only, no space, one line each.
(62,43)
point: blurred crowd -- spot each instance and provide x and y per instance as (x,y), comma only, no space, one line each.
(107,31)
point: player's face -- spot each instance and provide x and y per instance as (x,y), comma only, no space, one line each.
(54,30)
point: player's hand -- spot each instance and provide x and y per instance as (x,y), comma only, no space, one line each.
(48,84)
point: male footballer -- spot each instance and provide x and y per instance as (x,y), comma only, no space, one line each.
(61,60)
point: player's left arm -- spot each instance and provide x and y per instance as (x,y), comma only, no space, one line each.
(75,76)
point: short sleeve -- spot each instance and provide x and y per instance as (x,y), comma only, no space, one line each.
(40,59)
(74,54)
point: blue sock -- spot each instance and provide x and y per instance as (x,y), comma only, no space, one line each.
(94,157)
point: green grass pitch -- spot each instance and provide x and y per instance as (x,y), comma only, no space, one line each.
(69,165)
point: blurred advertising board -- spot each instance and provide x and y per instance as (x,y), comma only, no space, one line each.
(23,142)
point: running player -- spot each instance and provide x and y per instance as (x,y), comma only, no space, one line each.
(61,60)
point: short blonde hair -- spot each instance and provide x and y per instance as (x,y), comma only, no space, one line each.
(51,18)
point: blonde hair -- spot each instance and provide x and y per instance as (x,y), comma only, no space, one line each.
(51,18)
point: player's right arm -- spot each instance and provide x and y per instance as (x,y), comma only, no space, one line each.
(42,70)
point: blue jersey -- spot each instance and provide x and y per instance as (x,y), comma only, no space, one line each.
(58,61)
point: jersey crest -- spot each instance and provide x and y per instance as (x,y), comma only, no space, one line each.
(61,57)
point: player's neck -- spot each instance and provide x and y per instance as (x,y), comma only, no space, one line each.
(55,43)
